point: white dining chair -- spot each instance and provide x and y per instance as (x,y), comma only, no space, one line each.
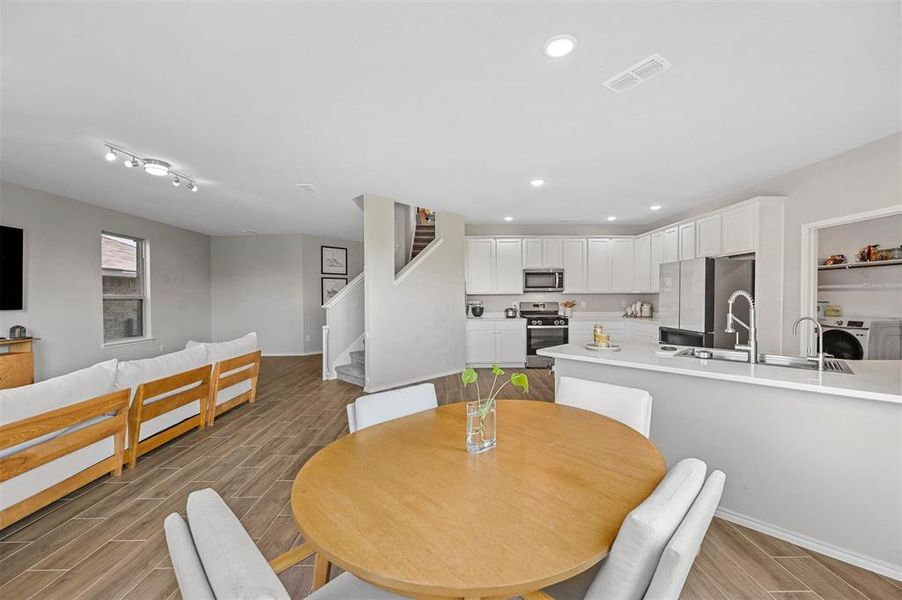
(630,406)
(373,409)
(214,558)
(656,545)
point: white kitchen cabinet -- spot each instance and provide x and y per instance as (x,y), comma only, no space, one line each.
(657,257)
(552,253)
(496,341)
(687,241)
(494,266)
(480,266)
(481,346)
(642,264)
(511,342)
(671,244)
(738,230)
(508,266)
(708,235)
(532,253)
(598,265)
(623,265)
(574,266)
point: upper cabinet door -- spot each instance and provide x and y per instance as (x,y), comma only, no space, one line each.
(622,265)
(671,244)
(508,266)
(598,265)
(642,264)
(480,266)
(739,230)
(707,233)
(657,257)
(574,266)
(532,253)
(552,253)
(687,241)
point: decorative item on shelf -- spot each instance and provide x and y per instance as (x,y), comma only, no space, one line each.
(568,306)
(599,337)
(481,430)
(833,310)
(646,310)
(896,253)
(17,332)
(868,253)
(511,312)
(835,259)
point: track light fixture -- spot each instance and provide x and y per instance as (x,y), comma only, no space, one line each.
(151,166)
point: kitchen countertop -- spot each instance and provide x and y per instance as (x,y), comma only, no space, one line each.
(609,316)
(879,380)
(491,316)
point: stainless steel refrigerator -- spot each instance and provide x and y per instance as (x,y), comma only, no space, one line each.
(692,305)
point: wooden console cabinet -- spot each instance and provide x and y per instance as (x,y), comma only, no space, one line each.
(16,363)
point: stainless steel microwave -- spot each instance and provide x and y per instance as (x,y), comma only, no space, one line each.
(543,280)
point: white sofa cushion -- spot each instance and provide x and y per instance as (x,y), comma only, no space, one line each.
(234,566)
(27,401)
(132,373)
(189,572)
(629,568)
(218,351)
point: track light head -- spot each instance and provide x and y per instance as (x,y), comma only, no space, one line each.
(131,163)
(176,181)
(110,155)
(192,187)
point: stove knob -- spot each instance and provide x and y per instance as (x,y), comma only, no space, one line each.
(839,323)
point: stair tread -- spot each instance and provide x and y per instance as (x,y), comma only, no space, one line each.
(351,369)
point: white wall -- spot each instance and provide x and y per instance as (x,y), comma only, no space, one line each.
(414,330)
(63,285)
(257,285)
(863,179)
(314,314)
(271,284)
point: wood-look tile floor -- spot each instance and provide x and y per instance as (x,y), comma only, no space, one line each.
(106,540)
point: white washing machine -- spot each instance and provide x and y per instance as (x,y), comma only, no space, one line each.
(857,338)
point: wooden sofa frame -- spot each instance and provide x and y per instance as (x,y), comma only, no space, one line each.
(145,408)
(223,379)
(18,432)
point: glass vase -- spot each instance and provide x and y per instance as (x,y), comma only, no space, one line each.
(480,426)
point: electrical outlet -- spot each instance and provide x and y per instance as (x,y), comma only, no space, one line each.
(307,338)
(162,347)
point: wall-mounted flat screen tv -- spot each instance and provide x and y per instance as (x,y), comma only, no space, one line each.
(10,268)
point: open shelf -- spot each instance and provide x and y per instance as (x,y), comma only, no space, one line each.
(861,265)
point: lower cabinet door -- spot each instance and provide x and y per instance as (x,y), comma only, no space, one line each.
(481,343)
(511,342)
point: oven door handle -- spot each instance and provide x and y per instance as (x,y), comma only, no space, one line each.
(547,326)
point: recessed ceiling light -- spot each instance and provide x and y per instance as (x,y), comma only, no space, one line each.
(537,183)
(654,207)
(612,218)
(569,220)
(251,231)
(156,167)
(307,187)
(559,46)
(508,218)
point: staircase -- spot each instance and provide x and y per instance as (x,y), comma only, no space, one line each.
(423,235)
(355,371)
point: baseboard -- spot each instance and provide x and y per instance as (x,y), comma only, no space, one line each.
(847,556)
(292,353)
(405,382)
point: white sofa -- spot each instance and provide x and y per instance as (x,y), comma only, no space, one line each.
(21,403)
(217,352)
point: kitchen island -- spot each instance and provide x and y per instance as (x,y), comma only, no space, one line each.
(812,458)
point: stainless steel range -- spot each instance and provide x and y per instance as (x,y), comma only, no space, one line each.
(544,328)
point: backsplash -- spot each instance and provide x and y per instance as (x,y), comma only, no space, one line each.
(593,302)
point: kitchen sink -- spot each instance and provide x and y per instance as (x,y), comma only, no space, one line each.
(831,365)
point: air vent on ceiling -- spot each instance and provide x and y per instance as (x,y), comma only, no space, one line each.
(306,187)
(638,73)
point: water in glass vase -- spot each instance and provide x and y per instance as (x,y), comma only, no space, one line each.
(480,426)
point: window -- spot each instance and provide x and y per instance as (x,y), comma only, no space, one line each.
(124,287)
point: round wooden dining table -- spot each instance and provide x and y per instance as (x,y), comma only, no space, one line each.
(403,506)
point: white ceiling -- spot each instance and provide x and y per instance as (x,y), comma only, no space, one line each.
(445,105)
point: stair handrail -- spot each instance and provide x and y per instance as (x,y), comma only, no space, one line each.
(344,291)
